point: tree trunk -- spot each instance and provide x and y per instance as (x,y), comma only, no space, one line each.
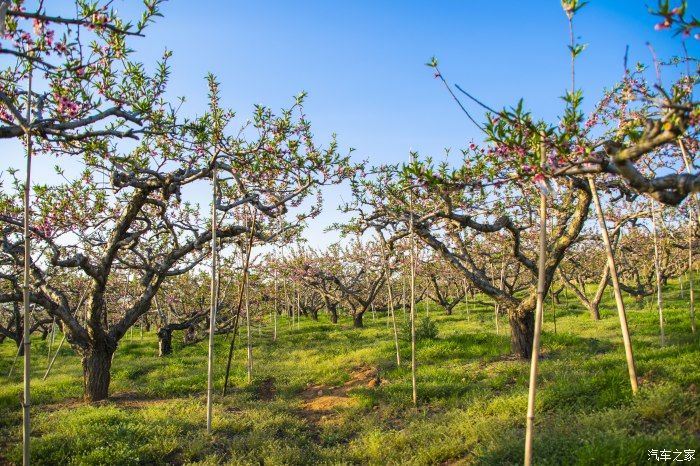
(314,314)
(20,347)
(594,310)
(333,310)
(190,335)
(165,341)
(556,296)
(97,363)
(357,320)
(522,325)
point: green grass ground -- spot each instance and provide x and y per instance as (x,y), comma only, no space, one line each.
(314,397)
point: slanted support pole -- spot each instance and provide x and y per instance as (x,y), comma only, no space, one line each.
(629,355)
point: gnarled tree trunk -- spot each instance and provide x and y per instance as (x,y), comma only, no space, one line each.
(97,364)
(165,341)
(522,326)
(332,308)
(357,320)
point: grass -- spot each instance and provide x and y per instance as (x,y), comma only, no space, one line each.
(472,396)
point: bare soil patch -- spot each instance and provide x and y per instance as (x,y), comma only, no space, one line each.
(265,390)
(322,403)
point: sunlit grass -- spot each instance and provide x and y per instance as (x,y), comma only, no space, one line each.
(472,396)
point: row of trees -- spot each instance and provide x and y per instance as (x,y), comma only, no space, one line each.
(125,223)
(128,217)
(356,281)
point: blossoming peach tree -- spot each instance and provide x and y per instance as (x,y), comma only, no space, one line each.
(353,275)
(142,219)
(489,193)
(75,71)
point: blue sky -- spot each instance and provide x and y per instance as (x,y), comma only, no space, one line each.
(362,63)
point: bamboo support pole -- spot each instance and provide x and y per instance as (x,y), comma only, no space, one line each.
(14,360)
(414,390)
(26,341)
(236,317)
(691,232)
(629,355)
(63,339)
(390,305)
(213,309)
(60,345)
(657,270)
(52,339)
(249,336)
(530,425)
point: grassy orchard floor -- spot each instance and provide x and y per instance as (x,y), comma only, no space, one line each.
(313,398)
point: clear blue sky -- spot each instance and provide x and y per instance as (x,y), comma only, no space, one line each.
(362,62)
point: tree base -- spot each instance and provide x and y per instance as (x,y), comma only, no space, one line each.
(97,365)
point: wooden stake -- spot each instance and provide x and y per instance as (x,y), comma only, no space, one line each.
(554,311)
(629,355)
(390,304)
(659,298)
(51,340)
(26,341)
(413,296)
(249,343)
(403,294)
(246,290)
(48,369)
(691,231)
(530,426)
(14,360)
(63,339)
(298,304)
(287,302)
(466,298)
(274,316)
(495,303)
(236,317)
(213,309)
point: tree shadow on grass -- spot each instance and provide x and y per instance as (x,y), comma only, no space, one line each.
(464,347)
